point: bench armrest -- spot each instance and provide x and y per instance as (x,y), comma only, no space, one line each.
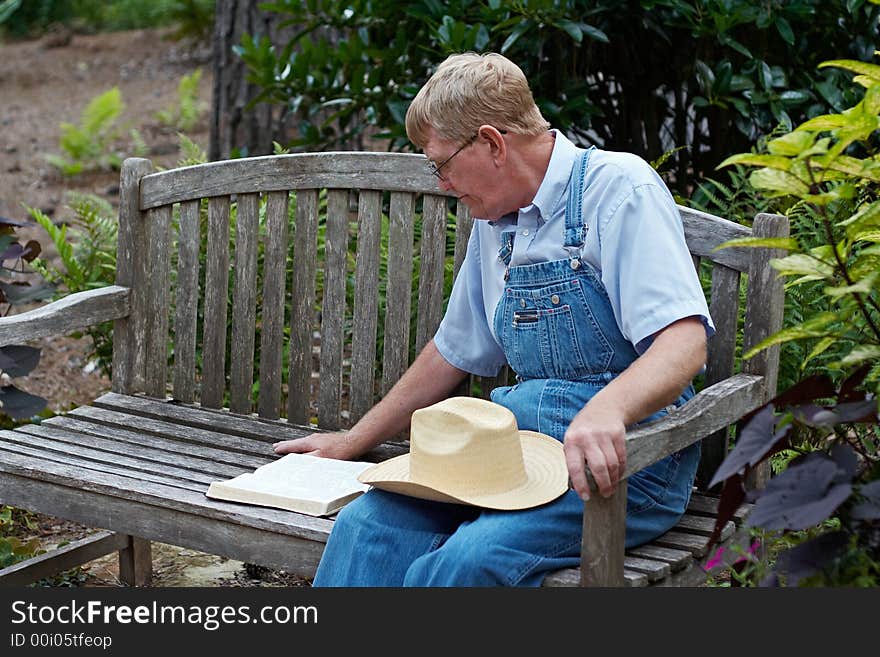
(712,409)
(66,315)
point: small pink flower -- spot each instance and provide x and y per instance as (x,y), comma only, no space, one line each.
(752,551)
(716,560)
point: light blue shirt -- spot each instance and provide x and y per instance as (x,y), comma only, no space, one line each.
(635,240)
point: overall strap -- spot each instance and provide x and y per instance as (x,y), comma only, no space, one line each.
(575,228)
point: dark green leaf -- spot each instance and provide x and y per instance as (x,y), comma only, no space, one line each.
(19,404)
(18,360)
(784,29)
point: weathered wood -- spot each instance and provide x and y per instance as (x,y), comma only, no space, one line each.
(236,531)
(136,562)
(572,577)
(221,421)
(213,386)
(131,273)
(724,309)
(704,232)
(655,570)
(431,269)
(398,292)
(215,459)
(603,538)
(366,304)
(711,409)
(229,442)
(764,301)
(187,302)
(401,172)
(244,303)
(140,466)
(272,308)
(464,222)
(677,559)
(302,301)
(148,497)
(63,558)
(333,310)
(65,448)
(765,304)
(71,313)
(158,245)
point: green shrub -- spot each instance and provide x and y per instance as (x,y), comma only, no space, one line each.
(90,145)
(823,507)
(731,71)
(185,114)
(88,259)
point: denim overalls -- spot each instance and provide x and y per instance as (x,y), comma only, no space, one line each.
(559,335)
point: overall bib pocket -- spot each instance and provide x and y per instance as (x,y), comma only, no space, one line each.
(550,332)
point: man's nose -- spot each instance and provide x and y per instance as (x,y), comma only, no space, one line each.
(444,184)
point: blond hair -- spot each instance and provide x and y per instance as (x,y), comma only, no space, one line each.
(469,90)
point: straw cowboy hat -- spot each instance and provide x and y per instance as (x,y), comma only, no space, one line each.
(469,451)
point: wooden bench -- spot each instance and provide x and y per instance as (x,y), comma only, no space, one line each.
(191,402)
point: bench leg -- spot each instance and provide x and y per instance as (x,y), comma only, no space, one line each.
(604,539)
(136,562)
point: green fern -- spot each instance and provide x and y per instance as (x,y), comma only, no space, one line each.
(189,109)
(88,251)
(89,145)
(190,152)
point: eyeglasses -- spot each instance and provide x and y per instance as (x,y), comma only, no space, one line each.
(435,168)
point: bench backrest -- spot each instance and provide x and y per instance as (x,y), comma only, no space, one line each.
(306,311)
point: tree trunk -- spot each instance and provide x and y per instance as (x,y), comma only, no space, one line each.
(236,128)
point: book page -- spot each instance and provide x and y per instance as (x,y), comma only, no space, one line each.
(298,482)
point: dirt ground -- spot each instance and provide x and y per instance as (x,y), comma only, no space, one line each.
(49,81)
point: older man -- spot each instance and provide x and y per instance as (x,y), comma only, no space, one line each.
(577,275)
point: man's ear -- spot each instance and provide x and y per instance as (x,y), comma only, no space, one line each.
(495,140)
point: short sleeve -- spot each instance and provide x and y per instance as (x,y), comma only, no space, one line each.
(464,337)
(646,267)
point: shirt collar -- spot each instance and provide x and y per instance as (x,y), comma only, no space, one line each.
(551,192)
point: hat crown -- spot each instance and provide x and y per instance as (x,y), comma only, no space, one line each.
(470,441)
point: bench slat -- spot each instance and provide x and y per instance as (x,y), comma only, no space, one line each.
(221,461)
(220,421)
(333,310)
(431,268)
(62,558)
(153,494)
(302,301)
(187,302)
(572,577)
(87,467)
(170,429)
(244,303)
(398,292)
(158,234)
(213,385)
(724,309)
(677,559)
(198,469)
(366,304)
(272,306)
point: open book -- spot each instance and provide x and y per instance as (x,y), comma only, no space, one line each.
(297,482)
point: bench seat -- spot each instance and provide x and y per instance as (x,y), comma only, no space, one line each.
(141,466)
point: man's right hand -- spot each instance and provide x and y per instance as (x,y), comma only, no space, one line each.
(329,445)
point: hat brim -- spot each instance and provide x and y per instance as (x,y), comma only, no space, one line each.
(546,479)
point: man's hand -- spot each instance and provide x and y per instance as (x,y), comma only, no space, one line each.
(328,445)
(595,438)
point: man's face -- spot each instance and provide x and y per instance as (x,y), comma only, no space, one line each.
(469,172)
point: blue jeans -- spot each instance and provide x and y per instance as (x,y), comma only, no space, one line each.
(384,539)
